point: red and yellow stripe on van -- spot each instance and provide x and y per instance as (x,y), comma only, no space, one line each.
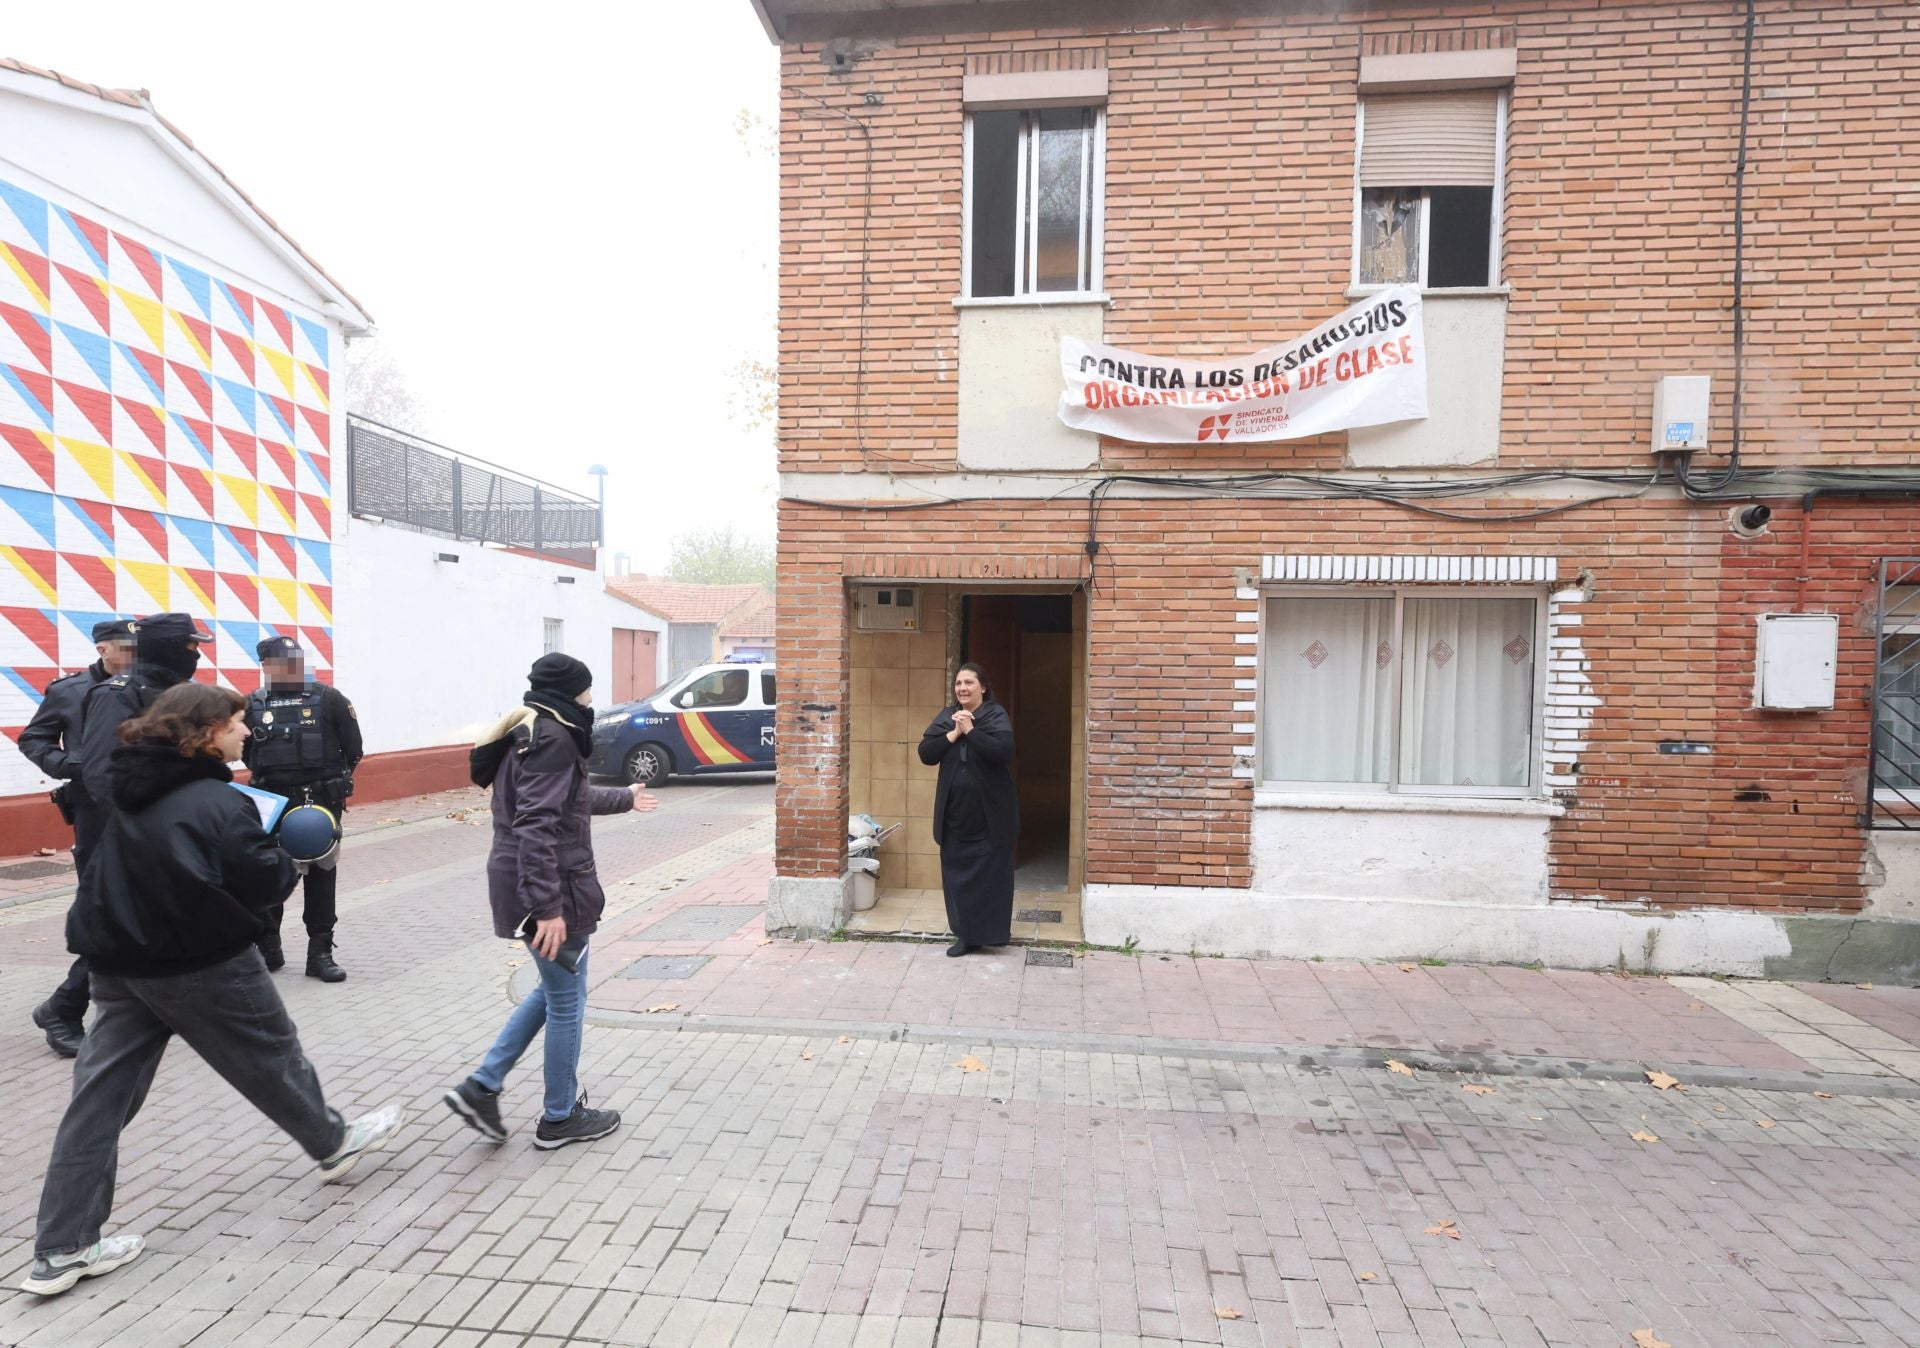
(707,743)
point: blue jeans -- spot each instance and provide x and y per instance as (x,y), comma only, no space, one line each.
(559,1004)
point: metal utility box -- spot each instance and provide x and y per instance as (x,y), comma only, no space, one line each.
(1680,412)
(1793,667)
(887,608)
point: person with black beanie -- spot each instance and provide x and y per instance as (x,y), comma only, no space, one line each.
(543,890)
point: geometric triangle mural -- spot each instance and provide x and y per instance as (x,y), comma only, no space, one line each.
(163,432)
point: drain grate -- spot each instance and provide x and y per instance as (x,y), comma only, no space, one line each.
(661,968)
(1037,915)
(701,922)
(34,870)
(1050,959)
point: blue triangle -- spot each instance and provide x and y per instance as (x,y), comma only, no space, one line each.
(197,532)
(322,554)
(36,508)
(97,351)
(133,362)
(27,395)
(317,334)
(199,285)
(73,227)
(242,397)
(29,209)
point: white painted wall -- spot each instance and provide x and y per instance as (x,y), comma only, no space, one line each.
(1010,386)
(1478,852)
(1893,854)
(432,652)
(1466,351)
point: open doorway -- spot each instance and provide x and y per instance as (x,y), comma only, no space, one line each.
(1025,642)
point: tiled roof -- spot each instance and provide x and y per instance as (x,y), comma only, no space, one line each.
(682,603)
(141,100)
(752,619)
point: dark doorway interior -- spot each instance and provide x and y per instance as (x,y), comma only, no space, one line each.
(1025,643)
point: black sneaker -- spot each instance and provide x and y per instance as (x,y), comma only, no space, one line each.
(480,1107)
(63,1035)
(583,1125)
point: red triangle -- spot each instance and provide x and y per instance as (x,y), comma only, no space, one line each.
(241,351)
(38,340)
(282,548)
(95,571)
(197,384)
(156,470)
(90,295)
(155,367)
(281,323)
(39,676)
(147,420)
(245,446)
(284,407)
(149,526)
(322,425)
(243,678)
(245,301)
(322,513)
(320,639)
(204,579)
(100,512)
(206,673)
(199,485)
(40,385)
(203,429)
(202,332)
(288,501)
(36,455)
(244,588)
(97,407)
(95,234)
(323,379)
(324,593)
(37,268)
(34,625)
(280,456)
(249,543)
(145,261)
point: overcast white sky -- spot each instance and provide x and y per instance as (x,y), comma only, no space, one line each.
(548,210)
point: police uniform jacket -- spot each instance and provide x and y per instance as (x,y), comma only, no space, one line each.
(51,740)
(110,704)
(300,738)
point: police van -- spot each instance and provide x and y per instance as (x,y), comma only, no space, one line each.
(712,719)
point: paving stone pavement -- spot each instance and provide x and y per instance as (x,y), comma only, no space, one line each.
(832,1191)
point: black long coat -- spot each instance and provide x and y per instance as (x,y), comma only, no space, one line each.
(990,751)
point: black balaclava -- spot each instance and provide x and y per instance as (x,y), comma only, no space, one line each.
(178,658)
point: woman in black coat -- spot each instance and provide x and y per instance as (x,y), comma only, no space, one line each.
(976,812)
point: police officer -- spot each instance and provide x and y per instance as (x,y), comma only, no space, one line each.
(51,742)
(303,743)
(166,651)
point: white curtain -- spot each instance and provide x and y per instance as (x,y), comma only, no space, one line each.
(1327,685)
(1467,701)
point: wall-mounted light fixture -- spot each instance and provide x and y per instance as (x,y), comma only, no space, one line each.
(446,556)
(563,580)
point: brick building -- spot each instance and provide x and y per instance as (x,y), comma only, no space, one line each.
(1482,684)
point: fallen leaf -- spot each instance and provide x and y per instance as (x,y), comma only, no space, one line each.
(846,1039)
(1408,968)
(515,964)
(1226,1312)
(807,1056)
(1394,1065)
(664,1006)
(969,1063)
(1644,1338)
(1719,1109)
(1764,1123)
(1443,1227)
(44,852)
(1369,1277)
(1661,1081)
(768,941)
(1474,1088)
(1823,1095)
(1644,1136)
(1536,1118)
(1696,1006)
(1863,985)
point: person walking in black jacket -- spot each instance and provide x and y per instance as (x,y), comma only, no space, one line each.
(541,874)
(51,742)
(167,917)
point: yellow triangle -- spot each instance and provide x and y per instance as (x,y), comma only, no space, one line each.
(206,358)
(246,494)
(326,614)
(282,365)
(287,592)
(326,403)
(97,460)
(206,600)
(153,488)
(273,498)
(150,314)
(32,287)
(153,577)
(20,563)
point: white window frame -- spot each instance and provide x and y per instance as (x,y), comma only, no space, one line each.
(1535,788)
(1496,226)
(1092,225)
(553,635)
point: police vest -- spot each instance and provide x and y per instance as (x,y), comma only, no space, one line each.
(292,738)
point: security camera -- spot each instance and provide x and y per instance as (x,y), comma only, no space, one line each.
(1749,521)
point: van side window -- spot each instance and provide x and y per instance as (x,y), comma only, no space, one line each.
(766,687)
(722,688)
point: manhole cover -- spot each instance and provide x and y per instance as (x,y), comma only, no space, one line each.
(1037,915)
(663,967)
(701,922)
(34,870)
(1051,959)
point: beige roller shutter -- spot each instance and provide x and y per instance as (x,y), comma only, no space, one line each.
(1429,140)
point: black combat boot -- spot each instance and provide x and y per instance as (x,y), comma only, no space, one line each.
(269,942)
(320,963)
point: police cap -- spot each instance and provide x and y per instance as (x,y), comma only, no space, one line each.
(278,648)
(114,629)
(164,627)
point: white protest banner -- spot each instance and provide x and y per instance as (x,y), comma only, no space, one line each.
(1365,366)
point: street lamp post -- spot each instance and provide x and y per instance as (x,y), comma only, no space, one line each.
(599,472)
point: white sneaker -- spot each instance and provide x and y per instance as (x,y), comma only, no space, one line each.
(367,1133)
(54,1274)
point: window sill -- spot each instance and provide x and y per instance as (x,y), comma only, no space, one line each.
(1518,807)
(1449,293)
(1032,301)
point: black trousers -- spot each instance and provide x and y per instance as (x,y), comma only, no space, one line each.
(71,999)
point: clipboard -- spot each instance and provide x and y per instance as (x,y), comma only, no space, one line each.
(270,806)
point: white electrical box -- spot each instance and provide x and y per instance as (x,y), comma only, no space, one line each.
(1793,666)
(1680,412)
(887,608)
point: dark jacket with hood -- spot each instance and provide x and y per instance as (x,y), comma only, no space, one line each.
(109,705)
(182,873)
(985,754)
(543,808)
(51,739)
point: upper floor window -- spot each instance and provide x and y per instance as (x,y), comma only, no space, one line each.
(1427,207)
(1034,197)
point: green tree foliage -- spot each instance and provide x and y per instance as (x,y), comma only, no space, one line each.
(719,557)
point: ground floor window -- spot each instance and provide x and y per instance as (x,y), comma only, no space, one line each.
(1896,698)
(1400,690)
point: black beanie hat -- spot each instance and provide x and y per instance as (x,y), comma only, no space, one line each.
(562,674)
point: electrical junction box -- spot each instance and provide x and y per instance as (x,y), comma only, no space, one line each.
(887,608)
(1680,412)
(1794,665)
